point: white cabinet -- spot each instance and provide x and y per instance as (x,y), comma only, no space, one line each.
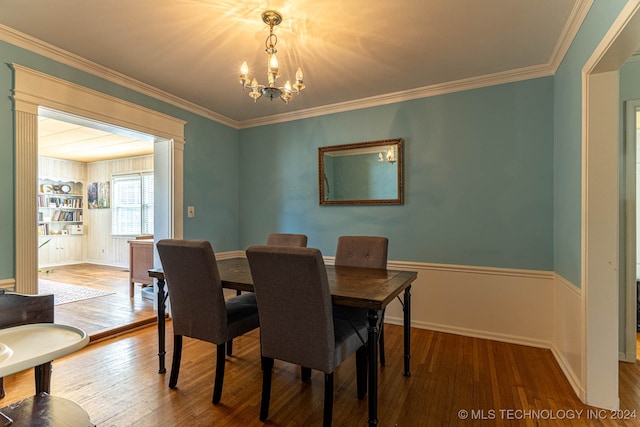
(63,249)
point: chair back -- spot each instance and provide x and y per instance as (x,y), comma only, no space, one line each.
(195,290)
(362,251)
(283,239)
(20,309)
(294,305)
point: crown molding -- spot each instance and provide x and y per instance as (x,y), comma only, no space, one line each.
(576,17)
(407,95)
(52,52)
(578,13)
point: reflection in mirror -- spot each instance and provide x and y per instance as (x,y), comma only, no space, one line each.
(366,173)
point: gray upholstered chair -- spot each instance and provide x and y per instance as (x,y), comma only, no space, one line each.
(198,306)
(362,251)
(367,252)
(283,239)
(292,240)
(296,319)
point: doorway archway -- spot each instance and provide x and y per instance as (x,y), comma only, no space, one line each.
(33,89)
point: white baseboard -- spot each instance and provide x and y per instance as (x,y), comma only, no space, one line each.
(8,284)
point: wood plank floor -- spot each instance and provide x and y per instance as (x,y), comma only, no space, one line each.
(106,315)
(116,381)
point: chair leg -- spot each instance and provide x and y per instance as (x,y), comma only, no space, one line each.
(217,387)
(267,373)
(328,400)
(177,355)
(230,342)
(361,371)
(42,376)
(305,374)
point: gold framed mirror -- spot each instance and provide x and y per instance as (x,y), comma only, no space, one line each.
(364,173)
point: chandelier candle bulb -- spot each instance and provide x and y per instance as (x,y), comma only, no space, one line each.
(244,71)
(273,64)
(299,80)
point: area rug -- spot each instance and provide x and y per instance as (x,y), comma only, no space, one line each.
(64,293)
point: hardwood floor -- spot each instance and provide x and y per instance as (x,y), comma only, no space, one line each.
(116,381)
(115,378)
(105,315)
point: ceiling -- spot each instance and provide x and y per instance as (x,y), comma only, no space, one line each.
(80,141)
(351,52)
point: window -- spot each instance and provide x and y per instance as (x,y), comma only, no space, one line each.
(132,204)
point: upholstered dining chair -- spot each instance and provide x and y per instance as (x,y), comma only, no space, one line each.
(296,319)
(366,252)
(280,239)
(284,239)
(198,306)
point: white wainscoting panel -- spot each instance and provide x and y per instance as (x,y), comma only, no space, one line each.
(534,308)
(507,305)
(568,335)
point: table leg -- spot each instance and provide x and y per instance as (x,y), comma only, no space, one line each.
(43,378)
(407,330)
(372,315)
(161,326)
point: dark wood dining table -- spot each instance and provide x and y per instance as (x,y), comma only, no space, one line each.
(367,288)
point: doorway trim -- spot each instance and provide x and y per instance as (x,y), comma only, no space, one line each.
(33,89)
(600,211)
(628,236)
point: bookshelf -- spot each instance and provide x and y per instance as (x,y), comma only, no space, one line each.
(60,208)
(60,221)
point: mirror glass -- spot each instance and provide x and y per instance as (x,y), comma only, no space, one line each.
(365,173)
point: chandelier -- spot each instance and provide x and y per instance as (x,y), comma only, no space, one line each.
(271,18)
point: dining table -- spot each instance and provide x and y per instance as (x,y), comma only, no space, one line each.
(368,288)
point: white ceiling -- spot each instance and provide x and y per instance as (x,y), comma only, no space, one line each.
(71,141)
(191,50)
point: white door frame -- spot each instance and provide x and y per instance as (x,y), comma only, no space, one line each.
(600,212)
(33,89)
(632,109)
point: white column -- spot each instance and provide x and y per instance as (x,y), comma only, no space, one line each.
(26,237)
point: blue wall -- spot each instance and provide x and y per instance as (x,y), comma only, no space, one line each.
(492,176)
(210,157)
(478,178)
(629,83)
(568,139)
